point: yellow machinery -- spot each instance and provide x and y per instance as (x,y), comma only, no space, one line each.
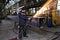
(54,17)
(49,7)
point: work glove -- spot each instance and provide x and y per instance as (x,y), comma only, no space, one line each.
(29,18)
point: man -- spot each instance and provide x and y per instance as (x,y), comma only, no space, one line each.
(22,21)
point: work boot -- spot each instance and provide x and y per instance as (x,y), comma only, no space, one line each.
(25,36)
(20,38)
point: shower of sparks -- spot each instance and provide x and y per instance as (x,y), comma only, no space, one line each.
(45,7)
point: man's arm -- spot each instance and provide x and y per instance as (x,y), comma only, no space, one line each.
(25,17)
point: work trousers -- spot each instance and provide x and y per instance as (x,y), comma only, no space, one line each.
(22,31)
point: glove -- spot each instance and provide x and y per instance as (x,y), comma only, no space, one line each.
(29,18)
(18,26)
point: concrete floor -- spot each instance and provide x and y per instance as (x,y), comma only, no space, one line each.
(6,32)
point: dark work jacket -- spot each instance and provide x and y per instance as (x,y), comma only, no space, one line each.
(22,19)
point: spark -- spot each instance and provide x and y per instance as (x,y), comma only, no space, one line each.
(45,7)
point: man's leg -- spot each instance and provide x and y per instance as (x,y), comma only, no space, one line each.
(20,33)
(24,32)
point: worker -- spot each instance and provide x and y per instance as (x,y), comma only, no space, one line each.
(22,22)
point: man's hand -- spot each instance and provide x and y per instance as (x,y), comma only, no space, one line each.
(18,26)
(29,18)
